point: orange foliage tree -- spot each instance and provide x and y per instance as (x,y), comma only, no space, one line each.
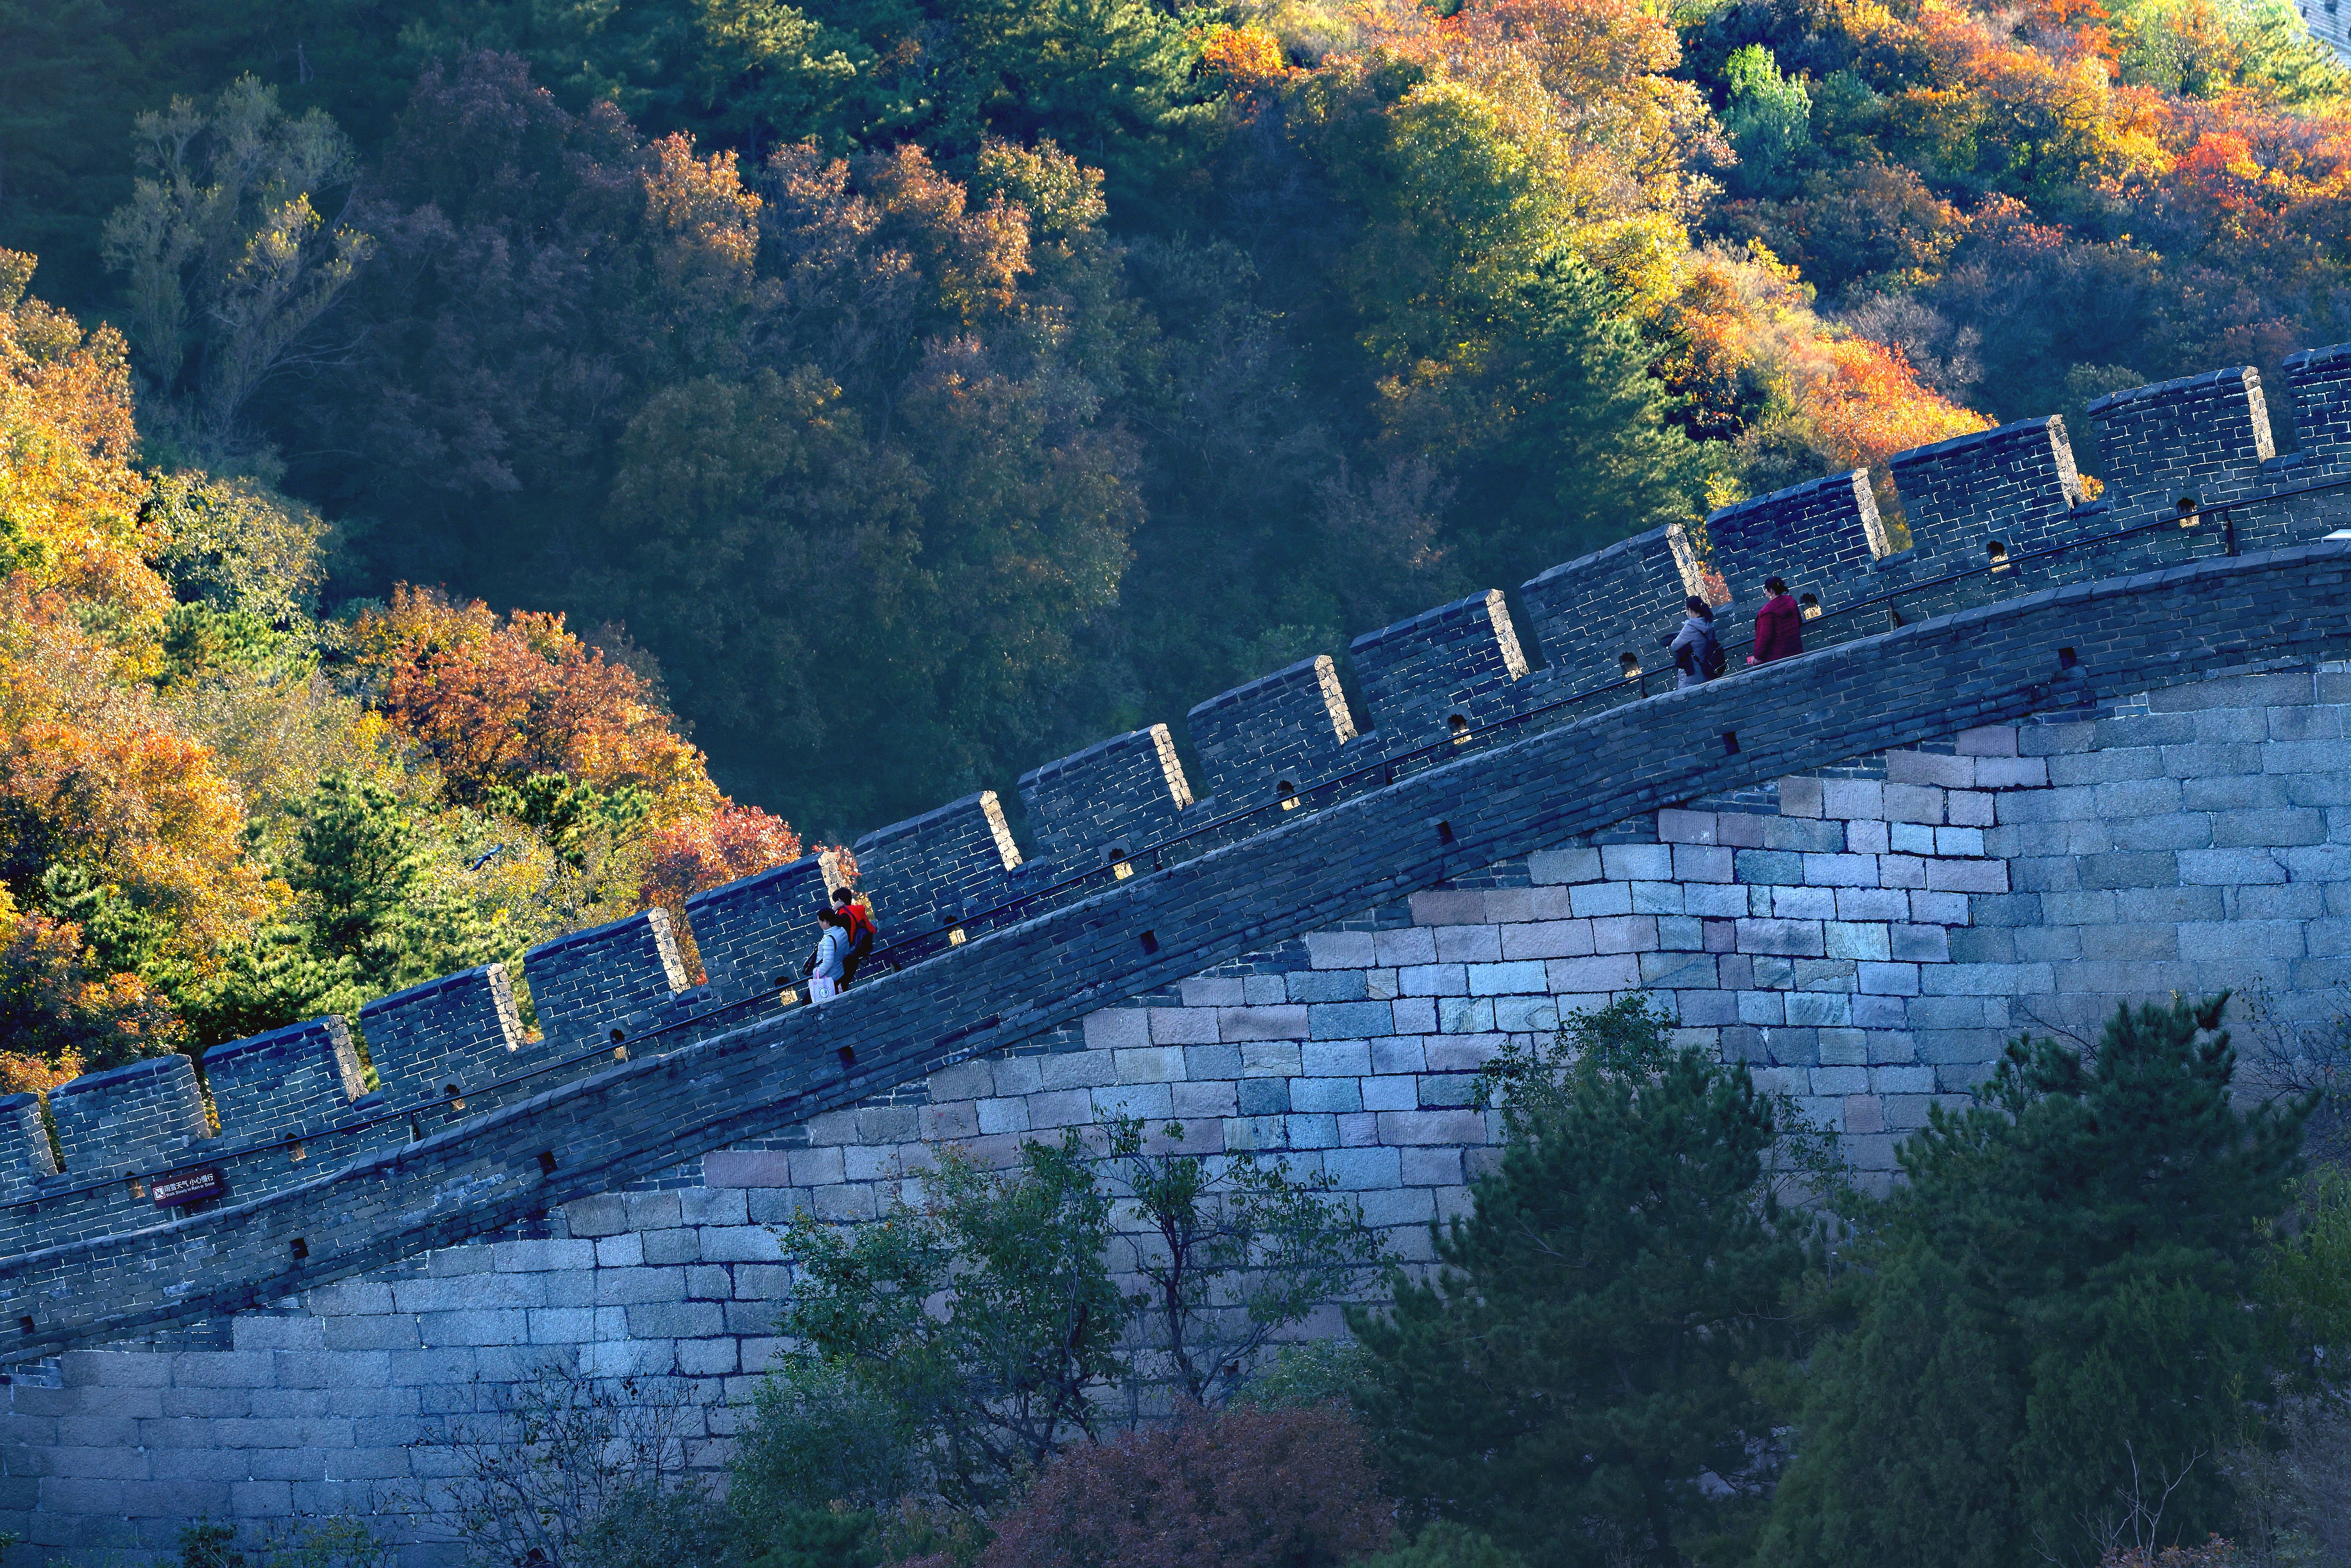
(100,785)
(694,854)
(494,701)
(60,1017)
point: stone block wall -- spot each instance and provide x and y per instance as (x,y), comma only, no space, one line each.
(1865,936)
(2051,652)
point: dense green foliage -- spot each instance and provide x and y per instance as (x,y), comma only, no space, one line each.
(2050,1338)
(947,1353)
(931,386)
(1579,1361)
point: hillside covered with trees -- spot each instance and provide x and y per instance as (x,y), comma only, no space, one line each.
(459,452)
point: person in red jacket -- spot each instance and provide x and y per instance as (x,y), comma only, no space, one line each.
(1778,626)
(857,918)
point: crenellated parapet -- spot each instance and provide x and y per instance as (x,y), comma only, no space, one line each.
(1093,807)
(1600,616)
(941,867)
(138,1144)
(125,1117)
(302,1079)
(1277,736)
(2176,447)
(1975,500)
(2320,383)
(1819,537)
(1441,674)
(26,1157)
(447,1039)
(750,931)
(608,983)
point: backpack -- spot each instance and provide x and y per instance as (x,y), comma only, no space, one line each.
(1712,659)
(861,929)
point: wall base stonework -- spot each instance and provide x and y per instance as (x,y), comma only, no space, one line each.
(1866,937)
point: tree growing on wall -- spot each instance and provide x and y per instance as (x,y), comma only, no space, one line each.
(1573,1379)
(2059,1325)
(1244,1248)
(1234,1488)
(986,1319)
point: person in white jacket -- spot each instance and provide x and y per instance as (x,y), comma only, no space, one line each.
(831,951)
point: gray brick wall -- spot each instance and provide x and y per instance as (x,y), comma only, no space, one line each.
(1460,662)
(630,1120)
(936,868)
(1104,802)
(302,1078)
(1290,728)
(756,931)
(2015,487)
(1820,536)
(1590,612)
(623,977)
(2230,840)
(2320,381)
(2205,436)
(120,1117)
(443,1039)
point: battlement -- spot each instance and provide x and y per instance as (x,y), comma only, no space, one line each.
(1975,500)
(750,931)
(609,982)
(291,1102)
(445,1039)
(289,1080)
(941,867)
(127,1116)
(2179,445)
(1093,806)
(26,1157)
(2319,380)
(1278,735)
(1820,537)
(1600,616)
(1443,673)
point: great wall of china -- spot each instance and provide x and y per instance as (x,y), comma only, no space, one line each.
(2052,754)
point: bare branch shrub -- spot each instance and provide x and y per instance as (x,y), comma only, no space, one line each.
(570,1470)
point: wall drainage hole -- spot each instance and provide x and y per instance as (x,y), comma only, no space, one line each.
(25,1325)
(299,1247)
(1150,943)
(848,1055)
(2065,660)
(1731,743)
(546,1162)
(1444,833)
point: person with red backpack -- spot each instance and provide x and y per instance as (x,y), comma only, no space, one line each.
(857,916)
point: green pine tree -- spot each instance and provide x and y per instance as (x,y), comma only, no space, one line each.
(373,912)
(2052,1334)
(1577,1365)
(365,889)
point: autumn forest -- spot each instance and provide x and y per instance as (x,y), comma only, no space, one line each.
(475,468)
